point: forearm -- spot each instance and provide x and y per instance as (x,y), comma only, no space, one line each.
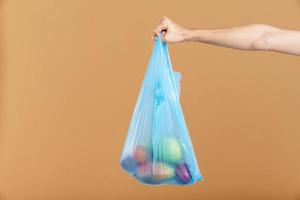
(249,37)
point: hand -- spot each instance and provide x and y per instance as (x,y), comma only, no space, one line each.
(170,32)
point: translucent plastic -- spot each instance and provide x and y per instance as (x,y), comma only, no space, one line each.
(158,149)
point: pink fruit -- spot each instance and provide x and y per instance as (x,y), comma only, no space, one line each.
(144,171)
(154,173)
(140,154)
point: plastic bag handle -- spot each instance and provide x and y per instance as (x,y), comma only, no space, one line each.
(163,47)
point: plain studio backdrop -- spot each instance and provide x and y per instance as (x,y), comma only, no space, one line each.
(70,75)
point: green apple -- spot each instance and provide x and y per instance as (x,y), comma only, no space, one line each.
(169,150)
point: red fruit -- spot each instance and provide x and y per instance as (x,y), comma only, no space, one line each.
(140,154)
(183,173)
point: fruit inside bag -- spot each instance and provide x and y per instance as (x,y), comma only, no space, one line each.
(158,149)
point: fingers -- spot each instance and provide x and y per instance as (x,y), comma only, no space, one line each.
(161,28)
(164,36)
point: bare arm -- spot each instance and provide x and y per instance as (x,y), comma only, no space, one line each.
(250,37)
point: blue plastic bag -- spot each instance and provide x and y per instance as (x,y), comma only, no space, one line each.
(158,149)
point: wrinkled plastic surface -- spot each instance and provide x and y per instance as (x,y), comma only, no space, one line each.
(158,149)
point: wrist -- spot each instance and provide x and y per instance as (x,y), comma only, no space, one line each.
(186,35)
(189,35)
(193,35)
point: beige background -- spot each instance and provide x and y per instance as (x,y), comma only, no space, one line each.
(70,75)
